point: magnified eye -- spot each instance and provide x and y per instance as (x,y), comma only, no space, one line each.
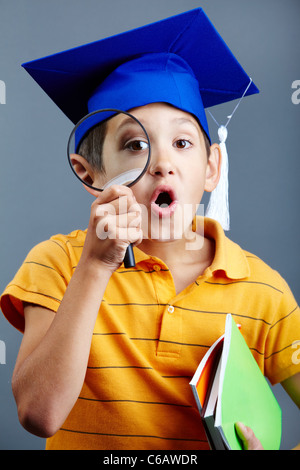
(182,144)
(137,145)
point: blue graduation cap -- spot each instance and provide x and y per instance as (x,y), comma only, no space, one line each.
(181,60)
(182,51)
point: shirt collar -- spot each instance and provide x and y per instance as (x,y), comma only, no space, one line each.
(229,257)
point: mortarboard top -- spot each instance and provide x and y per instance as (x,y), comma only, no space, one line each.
(187,44)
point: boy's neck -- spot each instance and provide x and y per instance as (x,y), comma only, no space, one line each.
(176,253)
(185,265)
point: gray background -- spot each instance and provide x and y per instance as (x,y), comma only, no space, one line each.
(39,196)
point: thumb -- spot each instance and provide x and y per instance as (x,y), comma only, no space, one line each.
(250,441)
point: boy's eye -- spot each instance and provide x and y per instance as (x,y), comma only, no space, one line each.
(182,144)
(136,145)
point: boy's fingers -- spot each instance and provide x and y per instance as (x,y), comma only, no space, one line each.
(250,441)
(123,205)
(112,193)
(123,227)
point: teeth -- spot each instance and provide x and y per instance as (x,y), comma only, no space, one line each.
(163,200)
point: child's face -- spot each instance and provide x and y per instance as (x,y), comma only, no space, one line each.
(178,174)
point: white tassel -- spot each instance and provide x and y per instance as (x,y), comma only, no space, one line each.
(218,207)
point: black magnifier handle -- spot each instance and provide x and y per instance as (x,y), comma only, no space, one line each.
(129,261)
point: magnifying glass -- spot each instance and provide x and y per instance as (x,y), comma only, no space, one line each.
(107,147)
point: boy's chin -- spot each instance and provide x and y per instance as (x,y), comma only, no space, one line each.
(168,233)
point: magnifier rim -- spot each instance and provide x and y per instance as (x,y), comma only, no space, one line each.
(116,111)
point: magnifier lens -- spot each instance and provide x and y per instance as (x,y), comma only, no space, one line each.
(109,147)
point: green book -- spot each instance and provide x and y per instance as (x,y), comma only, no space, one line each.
(228,387)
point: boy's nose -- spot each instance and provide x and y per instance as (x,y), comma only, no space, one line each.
(161,165)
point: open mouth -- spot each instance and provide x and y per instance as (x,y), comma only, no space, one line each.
(163,201)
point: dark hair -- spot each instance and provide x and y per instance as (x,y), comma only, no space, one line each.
(206,140)
(91,146)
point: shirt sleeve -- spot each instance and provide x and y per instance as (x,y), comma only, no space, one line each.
(42,280)
(282,349)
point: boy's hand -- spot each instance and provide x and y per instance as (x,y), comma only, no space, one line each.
(250,441)
(115,223)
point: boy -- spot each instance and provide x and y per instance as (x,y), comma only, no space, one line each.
(107,353)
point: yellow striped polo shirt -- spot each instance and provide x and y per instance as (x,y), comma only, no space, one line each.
(148,340)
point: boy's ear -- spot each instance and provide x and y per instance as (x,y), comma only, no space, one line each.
(85,172)
(213,170)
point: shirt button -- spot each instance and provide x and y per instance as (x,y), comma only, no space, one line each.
(170,309)
(156,267)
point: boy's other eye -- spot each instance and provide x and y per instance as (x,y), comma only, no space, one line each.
(182,144)
(136,145)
